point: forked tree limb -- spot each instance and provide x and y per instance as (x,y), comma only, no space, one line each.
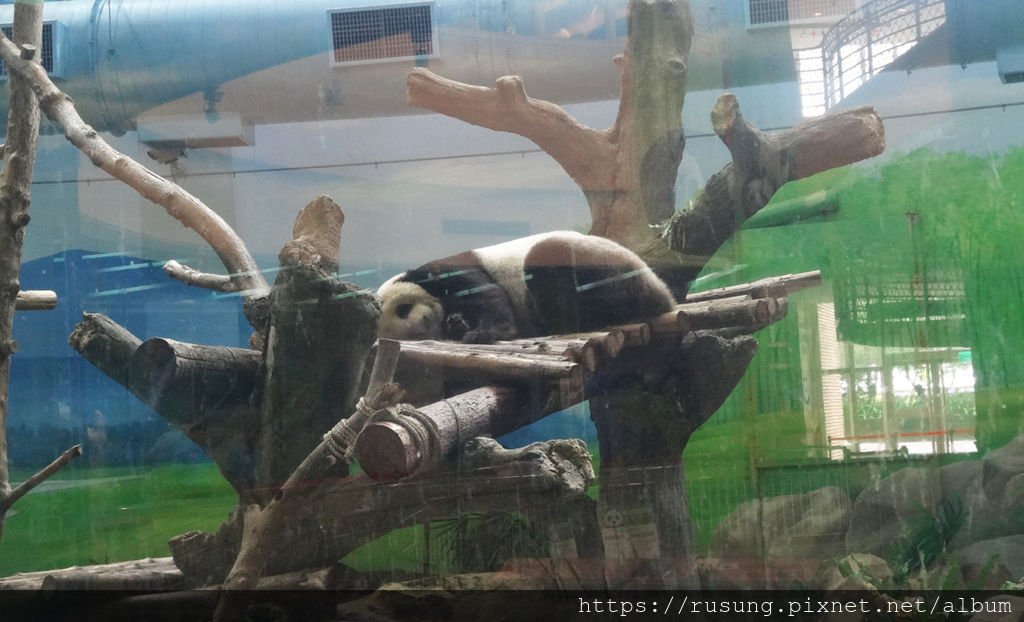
(761,164)
(9,499)
(628,172)
(180,204)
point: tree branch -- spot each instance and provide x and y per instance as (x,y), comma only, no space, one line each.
(183,206)
(36,300)
(761,164)
(106,344)
(195,278)
(49,470)
(346,514)
(584,153)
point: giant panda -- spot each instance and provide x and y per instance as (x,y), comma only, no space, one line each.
(546,284)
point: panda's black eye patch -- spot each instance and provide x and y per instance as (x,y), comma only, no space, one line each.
(403,310)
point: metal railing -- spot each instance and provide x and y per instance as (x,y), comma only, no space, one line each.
(868,40)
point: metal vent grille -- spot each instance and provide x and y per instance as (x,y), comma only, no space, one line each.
(388,33)
(771,12)
(47,52)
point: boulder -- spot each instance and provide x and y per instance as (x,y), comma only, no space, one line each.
(852,578)
(895,505)
(808,526)
(858,571)
(991,563)
(1003,469)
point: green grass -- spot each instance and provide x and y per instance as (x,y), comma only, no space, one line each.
(111,515)
(117,514)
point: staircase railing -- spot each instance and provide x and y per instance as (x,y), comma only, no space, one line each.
(869,39)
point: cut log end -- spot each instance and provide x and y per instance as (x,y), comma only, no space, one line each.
(724,115)
(152,364)
(385,451)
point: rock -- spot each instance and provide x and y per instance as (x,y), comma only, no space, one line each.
(1011,497)
(849,579)
(753,573)
(991,563)
(808,526)
(858,571)
(897,504)
(1002,469)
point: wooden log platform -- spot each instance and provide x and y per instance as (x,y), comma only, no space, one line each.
(501,386)
(418,439)
(143,574)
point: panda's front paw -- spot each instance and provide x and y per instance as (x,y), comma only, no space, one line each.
(455,327)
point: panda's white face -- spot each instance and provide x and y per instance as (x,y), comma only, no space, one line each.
(408,312)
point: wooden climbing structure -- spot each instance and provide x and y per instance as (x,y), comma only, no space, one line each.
(555,371)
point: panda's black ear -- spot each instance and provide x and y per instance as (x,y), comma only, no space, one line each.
(403,310)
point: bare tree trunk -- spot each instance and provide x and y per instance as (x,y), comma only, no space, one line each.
(644,422)
(319,333)
(15,197)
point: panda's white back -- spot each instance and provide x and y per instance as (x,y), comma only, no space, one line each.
(504,263)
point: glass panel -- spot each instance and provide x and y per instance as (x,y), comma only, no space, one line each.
(637,344)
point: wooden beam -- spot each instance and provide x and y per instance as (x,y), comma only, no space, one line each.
(36,300)
(763,288)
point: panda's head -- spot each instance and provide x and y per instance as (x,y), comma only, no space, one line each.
(408,311)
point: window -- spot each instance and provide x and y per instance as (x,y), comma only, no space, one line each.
(880,400)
